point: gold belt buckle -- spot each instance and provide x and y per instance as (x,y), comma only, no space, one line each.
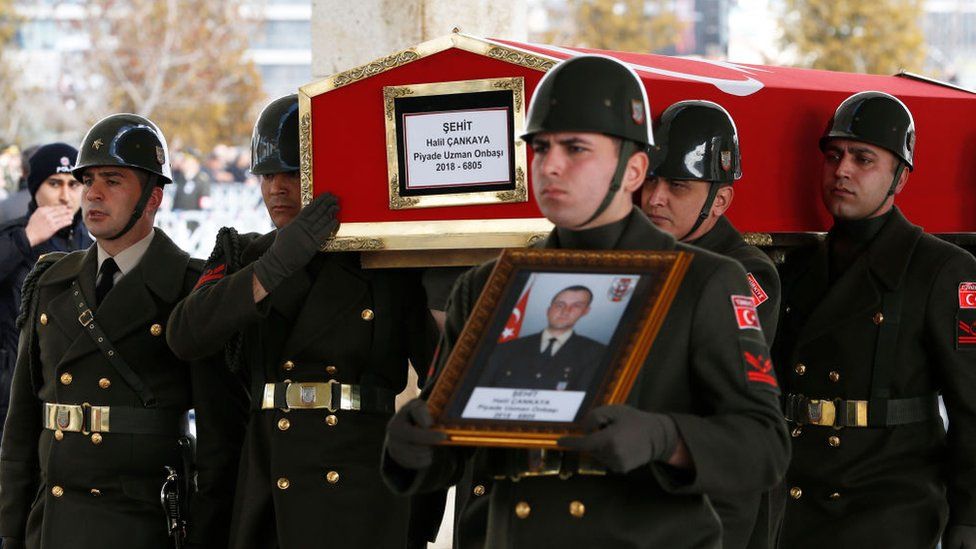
(855,413)
(821,412)
(309,395)
(86,317)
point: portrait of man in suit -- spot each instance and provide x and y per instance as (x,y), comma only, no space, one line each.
(557,358)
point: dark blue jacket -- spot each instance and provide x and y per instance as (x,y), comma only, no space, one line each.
(17,258)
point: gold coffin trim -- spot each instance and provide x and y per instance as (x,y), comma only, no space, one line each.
(446,235)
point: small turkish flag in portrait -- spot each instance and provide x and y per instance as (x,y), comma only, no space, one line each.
(745,312)
(514,324)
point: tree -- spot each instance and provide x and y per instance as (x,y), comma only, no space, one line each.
(8,80)
(878,37)
(626,25)
(181,63)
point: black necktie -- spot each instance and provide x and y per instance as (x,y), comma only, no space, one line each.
(106,279)
(548,352)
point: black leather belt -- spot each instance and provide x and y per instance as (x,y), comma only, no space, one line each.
(85,419)
(547,463)
(330,395)
(839,412)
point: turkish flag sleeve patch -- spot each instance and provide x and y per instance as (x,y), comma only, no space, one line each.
(758,365)
(966,330)
(967,295)
(210,275)
(758,294)
(745,312)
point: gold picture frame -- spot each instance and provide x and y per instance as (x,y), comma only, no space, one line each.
(516,147)
(493,370)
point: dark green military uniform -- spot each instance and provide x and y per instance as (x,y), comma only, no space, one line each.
(747,519)
(696,373)
(310,477)
(893,329)
(64,488)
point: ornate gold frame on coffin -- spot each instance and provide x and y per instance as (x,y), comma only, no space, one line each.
(520,194)
(429,242)
(650,306)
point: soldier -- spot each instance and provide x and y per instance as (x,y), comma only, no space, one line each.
(694,422)
(689,191)
(98,406)
(52,223)
(325,346)
(687,195)
(876,321)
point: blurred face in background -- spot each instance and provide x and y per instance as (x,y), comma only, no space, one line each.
(61,189)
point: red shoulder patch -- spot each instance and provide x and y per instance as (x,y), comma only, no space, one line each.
(966,330)
(967,295)
(759,369)
(758,294)
(210,275)
(745,312)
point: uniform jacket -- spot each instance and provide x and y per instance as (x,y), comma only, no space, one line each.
(747,519)
(889,487)
(80,492)
(330,321)
(520,363)
(695,372)
(17,257)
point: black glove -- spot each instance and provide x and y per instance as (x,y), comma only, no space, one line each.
(409,440)
(298,242)
(624,438)
(959,536)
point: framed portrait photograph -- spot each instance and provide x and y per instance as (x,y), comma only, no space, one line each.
(554,334)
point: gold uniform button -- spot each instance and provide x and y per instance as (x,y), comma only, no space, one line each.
(66,378)
(331,420)
(288,366)
(479,490)
(367,314)
(800,369)
(95,492)
(577,509)
(331,370)
(833,376)
(283,424)
(835,495)
(156,330)
(105,383)
(283,483)
(796,492)
(58,435)
(833,440)
(332,477)
(57,491)
(43,319)
(878,318)
(522,510)
(96,439)
(796,432)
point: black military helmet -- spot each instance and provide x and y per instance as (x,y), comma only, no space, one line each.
(127,140)
(274,143)
(697,140)
(591,93)
(876,118)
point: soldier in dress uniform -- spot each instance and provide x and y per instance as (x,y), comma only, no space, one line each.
(98,405)
(877,320)
(700,418)
(324,346)
(686,195)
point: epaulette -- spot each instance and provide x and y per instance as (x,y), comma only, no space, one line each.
(30,283)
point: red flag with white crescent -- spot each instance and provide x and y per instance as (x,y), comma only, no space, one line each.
(514,324)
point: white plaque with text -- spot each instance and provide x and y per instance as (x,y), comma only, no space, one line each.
(523,404)
(457,148)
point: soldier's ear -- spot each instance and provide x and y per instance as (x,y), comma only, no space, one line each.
(902,181)
(155,199)
(634,174)
(723,199)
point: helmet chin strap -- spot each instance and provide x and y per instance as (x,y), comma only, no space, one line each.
(140,206)
(627,148)
(891,189)
(706,209)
